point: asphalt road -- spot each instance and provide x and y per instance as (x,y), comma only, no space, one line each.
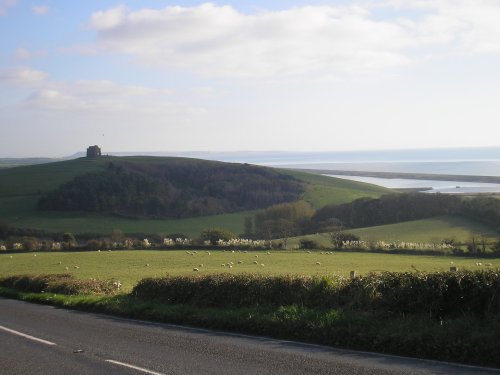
(37,339)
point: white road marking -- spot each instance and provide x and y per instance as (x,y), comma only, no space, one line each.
(26,336)
(134,367)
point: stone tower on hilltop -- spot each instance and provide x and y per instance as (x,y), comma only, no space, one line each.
(93,151)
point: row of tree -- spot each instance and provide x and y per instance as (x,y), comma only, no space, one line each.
(297,218)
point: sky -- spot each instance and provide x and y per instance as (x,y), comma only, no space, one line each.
(248,75)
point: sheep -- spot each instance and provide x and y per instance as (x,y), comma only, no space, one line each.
(195,269)
(255,262)
(318,263)
(147,264)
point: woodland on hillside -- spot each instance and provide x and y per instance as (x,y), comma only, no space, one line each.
(174,189)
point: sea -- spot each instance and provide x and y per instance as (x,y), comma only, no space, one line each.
(452,161)
(468,161)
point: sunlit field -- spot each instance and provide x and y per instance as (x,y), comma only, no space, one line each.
(132,265)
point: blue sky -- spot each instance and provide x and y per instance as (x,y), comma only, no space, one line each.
(247,75)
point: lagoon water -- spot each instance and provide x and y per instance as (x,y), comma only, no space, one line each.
(449,187)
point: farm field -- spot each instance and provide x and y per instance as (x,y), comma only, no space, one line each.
(432,230)
(21,212)
(132,265)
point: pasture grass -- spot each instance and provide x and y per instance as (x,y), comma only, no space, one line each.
(19,212)
(130,266)
(324,190)
(432,230)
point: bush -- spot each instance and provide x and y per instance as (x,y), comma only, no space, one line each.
(338,238)
(215,234)
(308,244)
(435,295)
(60,283)
(244,290)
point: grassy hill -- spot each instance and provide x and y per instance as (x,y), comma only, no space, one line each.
(324,190)
(21,187)
(432,230)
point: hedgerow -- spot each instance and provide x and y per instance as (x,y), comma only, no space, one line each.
(60,283)
(440,294)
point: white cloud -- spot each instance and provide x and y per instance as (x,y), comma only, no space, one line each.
(23,76)
(321,41)
(220,40)
(466,26)
(5,4)
(96,97)
(23,54)
(108,19)
(40,10)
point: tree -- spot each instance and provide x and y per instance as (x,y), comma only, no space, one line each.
(4,229)
(69,240)
(306,243)
(215,234)
(339,237)
(248,223)
(282,220)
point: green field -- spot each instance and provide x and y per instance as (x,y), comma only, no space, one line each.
(325,190)
(131,266)
(20,189)
(432,230)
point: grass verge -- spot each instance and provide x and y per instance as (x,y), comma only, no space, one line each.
(465,337)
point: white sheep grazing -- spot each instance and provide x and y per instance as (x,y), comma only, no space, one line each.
(262,264)
(147,264)
(318,263)
(195,269)
(255,262)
